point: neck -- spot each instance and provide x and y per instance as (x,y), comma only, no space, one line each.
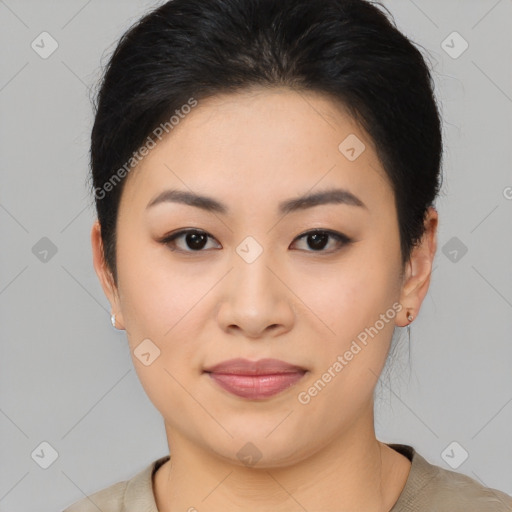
(350,472)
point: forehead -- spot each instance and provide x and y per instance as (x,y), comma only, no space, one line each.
(268,140)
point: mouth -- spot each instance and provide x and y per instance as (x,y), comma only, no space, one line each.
(255,379)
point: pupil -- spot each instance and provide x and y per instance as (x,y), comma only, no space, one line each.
(317,241)
(316,237)
(192,239)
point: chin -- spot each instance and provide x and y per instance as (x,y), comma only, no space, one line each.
(252,449)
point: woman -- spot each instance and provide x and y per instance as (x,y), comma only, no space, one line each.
(265,174)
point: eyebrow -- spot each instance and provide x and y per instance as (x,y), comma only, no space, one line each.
(331,196)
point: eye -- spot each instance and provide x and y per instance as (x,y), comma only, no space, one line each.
(319,239)
(194,239)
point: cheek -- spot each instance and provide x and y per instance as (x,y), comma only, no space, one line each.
(161,294)
(348,295)
(348,301)
(169,312)
(163,306)
(354,350)
(155,293)
(166,385)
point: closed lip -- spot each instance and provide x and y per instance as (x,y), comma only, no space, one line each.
(241,366)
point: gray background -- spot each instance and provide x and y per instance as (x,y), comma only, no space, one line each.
(66,376)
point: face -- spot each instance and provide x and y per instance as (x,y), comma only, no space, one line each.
(315,284)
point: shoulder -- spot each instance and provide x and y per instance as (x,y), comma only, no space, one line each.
(130,495)
(455,492)
(444,490)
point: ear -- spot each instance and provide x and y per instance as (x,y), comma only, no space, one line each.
(419,269)
(104,274)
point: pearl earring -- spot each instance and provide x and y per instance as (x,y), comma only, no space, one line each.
(113,319)
(409,317)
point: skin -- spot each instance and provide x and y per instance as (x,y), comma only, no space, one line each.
(250,151)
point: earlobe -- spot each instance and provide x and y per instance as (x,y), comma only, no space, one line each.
(103,273)
(113,321)
(419,271)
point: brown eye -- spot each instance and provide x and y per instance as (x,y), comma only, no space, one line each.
(318,240)
(192,240)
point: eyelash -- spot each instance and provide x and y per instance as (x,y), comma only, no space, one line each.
(342,239)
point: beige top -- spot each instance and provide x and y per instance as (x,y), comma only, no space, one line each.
(428,488)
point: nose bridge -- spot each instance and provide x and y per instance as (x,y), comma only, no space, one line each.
(255,298)
(251,272)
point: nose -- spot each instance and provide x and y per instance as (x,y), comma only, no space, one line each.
(255,302)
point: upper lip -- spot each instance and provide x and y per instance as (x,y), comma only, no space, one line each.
(241,366)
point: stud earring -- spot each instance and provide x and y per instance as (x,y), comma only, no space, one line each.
(113,320)
(409,317)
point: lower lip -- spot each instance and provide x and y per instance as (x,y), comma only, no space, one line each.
(256,386)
